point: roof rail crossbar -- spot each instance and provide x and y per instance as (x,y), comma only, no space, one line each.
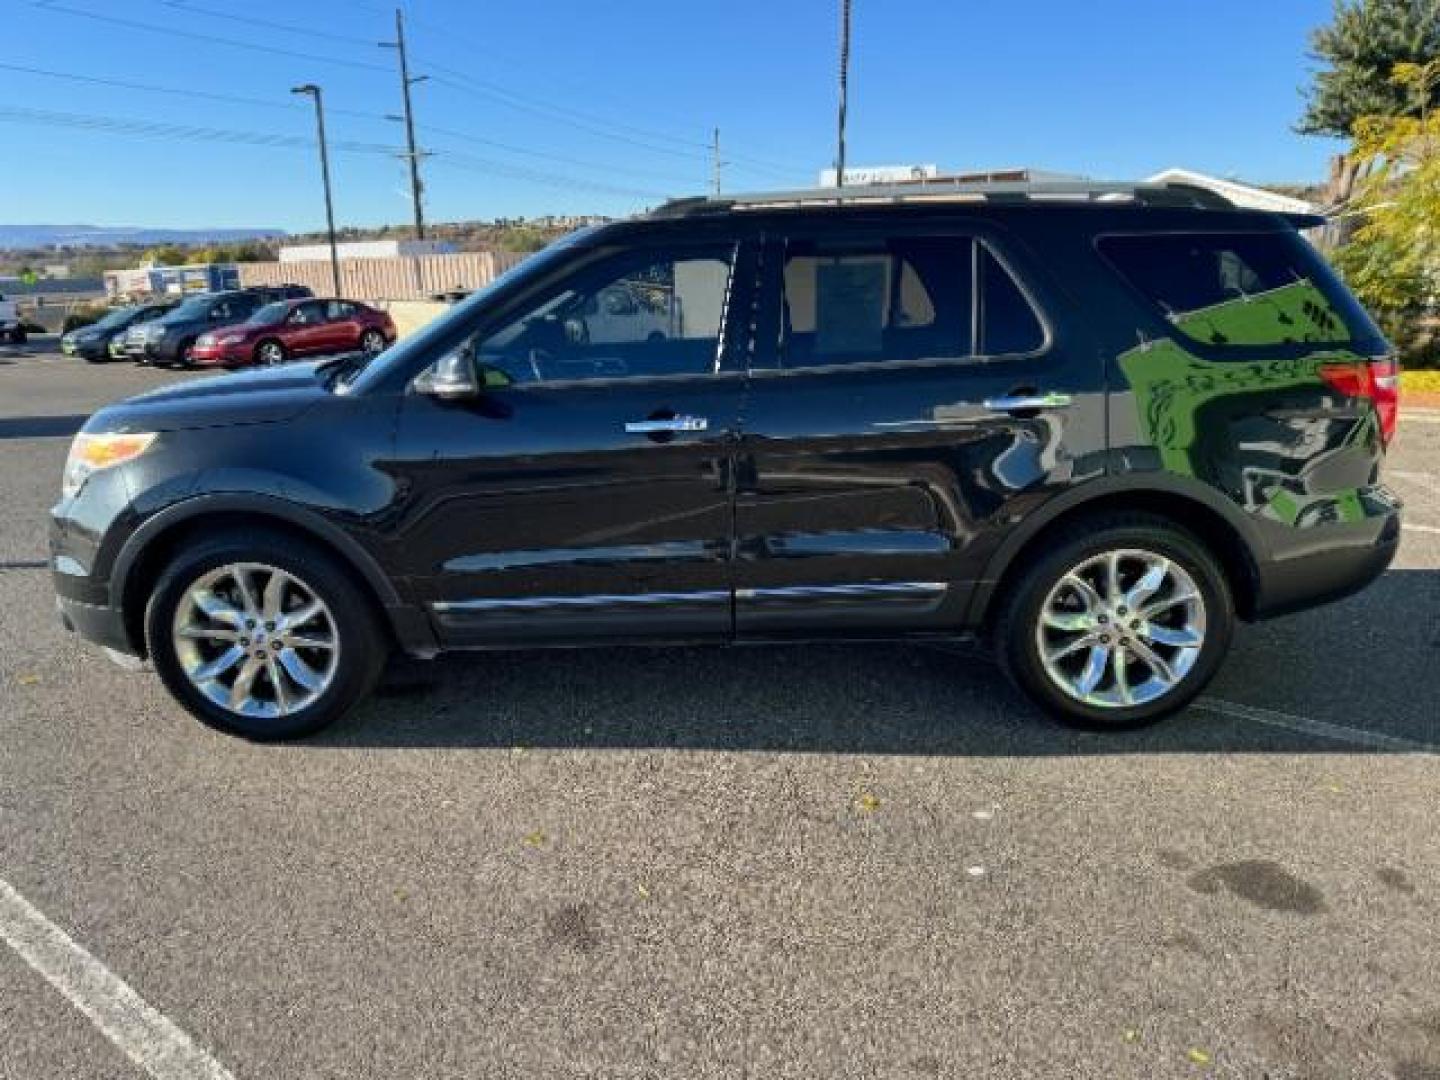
(1163,194)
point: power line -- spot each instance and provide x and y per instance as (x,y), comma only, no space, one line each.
(458,81)
(192,35)
(292,107)
(466,162)
(563,159)
(177,91)
(176,132)
(588,122)
(266,24)
(169,132)
(621,132)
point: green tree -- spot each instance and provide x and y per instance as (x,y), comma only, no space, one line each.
(167,255)
(1361,48)
(1393,259)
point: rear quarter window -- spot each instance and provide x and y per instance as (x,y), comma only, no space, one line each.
(1242,290)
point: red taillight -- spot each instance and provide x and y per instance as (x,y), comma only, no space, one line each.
(1378,380)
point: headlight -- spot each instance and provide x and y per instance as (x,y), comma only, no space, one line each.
(233,339)
(205,339)
(91,453)
(156,333)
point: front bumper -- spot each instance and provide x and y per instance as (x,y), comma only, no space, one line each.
(86,350)
(98,623)
(220,355)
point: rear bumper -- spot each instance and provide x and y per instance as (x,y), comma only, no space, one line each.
(1308,574)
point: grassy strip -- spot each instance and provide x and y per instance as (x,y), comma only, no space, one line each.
(1420,382)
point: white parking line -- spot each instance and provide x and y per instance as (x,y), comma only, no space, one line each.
(1321,728)
(145,1036)
(1410,526)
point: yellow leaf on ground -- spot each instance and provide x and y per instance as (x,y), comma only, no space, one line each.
(1199,1057)
(867,803)
(28,679)
(535,839)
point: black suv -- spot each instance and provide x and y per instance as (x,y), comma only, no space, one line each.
(168,339)
(1089,425)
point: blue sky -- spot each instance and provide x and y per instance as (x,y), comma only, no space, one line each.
(559,106)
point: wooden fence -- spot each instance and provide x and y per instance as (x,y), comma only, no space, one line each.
(394,278)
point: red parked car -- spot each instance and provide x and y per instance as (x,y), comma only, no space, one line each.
(292,328)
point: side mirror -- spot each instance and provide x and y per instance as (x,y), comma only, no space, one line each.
(451,378)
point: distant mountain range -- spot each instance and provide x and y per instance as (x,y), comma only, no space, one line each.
(36,236)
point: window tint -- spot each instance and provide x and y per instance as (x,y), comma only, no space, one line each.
(909,298)
(1008,324)
(901,299)
(307,314)
(1233,290)
(340,309)
(639,314)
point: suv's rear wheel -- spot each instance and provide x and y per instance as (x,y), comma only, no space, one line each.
(263,637)
(1118,623)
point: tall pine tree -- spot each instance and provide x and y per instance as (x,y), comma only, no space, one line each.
(1360,49)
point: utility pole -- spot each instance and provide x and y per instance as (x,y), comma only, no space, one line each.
(716,149)
(311,90)
(844,82)
(412,154)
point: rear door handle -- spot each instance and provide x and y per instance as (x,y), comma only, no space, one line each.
(1027,402)
(672,424)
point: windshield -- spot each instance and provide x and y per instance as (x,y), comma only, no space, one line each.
(434,337)
(118,317)
(197,307)
(270,314)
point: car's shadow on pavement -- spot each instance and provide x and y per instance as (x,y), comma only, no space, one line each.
(40,427)
(1368,663)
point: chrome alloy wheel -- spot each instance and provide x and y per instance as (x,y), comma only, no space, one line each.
(256,640)
(1122,628)
(271,354)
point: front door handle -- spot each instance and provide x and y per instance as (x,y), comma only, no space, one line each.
(667,426)
(1027,402)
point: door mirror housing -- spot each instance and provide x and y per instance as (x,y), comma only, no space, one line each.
(450,378)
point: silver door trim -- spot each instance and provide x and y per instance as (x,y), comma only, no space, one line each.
(857,591)
(601,600)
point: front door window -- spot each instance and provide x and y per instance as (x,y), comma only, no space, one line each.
(644,314)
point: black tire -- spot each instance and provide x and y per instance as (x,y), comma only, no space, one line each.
(363,646)
(18,336)
(270,343)
(182,355)
(1014,630)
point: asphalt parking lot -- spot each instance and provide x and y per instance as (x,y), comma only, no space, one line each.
(803,862)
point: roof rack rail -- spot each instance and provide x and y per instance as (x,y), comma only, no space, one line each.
(1166,194)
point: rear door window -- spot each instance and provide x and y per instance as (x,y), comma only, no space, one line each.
(1240,290)
(900,299)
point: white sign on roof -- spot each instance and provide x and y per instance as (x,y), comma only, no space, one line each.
(880,174)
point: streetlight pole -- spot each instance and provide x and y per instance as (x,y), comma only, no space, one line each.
(311,90)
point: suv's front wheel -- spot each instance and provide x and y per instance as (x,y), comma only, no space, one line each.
(265,637)
(1118,623)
